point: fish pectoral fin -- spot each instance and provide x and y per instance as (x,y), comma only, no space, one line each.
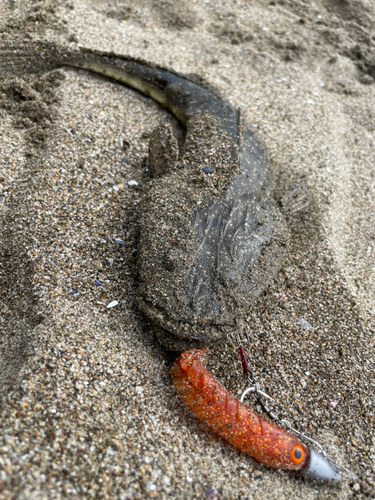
(163,150)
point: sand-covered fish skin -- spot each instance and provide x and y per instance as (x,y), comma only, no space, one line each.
(211,238)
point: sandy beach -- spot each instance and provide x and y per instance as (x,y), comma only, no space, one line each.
(88,409)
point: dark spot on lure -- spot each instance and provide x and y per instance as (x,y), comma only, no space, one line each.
(297,454)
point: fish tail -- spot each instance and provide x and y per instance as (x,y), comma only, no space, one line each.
(183,95)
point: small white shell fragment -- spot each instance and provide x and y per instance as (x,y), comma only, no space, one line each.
(132,183)
(112,304)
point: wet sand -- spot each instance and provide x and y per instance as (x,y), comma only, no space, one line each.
(88,409)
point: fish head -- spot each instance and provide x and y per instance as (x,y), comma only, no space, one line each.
(195,288)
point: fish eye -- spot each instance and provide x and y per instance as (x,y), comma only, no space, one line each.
(297,454)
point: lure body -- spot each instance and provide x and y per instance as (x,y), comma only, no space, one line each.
(232,420)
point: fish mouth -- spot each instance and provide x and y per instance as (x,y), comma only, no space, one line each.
(194,328)
(320,468)
(199,330)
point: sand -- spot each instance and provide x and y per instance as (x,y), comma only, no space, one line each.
(88,409)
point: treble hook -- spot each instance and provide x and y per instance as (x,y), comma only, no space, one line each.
(257,391)
(250,377)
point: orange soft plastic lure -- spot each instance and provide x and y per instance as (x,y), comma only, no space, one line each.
(232,420)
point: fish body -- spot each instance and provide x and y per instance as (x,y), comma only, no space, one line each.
(211,238)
